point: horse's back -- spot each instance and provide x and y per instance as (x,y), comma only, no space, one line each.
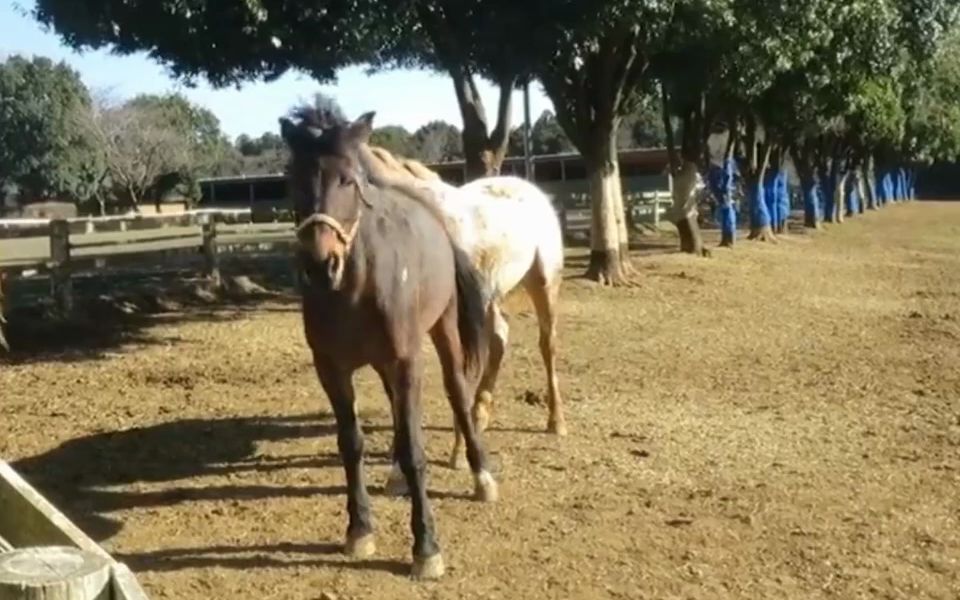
(514,224)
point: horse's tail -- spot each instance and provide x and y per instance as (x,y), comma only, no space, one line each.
(471,309)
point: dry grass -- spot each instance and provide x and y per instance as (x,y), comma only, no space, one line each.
(779,421)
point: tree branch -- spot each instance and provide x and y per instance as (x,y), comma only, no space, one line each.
(668,129)
(501,132)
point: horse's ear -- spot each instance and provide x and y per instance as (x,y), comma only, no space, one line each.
(361,129)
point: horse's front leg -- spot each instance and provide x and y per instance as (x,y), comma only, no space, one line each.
(408,444)
(396,482)
(338,385)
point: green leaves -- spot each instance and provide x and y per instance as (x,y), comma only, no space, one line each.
(43,144)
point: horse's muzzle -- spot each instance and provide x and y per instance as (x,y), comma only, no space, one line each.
(323,272)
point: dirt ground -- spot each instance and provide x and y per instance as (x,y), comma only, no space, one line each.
(777,421)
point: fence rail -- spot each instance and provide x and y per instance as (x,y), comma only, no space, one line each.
(62,248)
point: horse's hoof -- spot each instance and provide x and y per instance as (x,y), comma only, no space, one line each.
(396,485)
(430,567)
(458,461)
(486,489)
(360,547)
(558,428)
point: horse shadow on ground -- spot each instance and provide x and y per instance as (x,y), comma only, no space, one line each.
(93,477)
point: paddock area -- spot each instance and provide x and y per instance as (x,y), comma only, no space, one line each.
(775,421)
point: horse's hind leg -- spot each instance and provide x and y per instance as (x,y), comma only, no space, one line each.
(446,339)
(339,389)
(544,291)
(483,407)
(408,441)
(497,333)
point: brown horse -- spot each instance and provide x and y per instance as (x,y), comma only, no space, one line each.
(378,272)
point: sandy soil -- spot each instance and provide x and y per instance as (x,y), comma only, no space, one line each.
(777,421)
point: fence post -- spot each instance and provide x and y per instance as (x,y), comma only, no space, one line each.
(561,208)
(656,210)
(211,259)
(61,285)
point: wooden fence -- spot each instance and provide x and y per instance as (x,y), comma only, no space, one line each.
(62,248)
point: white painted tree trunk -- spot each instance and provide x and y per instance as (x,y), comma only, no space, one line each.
(607,224)
(840,198)
(684,212)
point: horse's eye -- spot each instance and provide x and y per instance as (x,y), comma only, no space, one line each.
(345,181)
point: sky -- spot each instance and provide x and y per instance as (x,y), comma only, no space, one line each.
(401,97)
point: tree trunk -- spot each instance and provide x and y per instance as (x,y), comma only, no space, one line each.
(760,223)
(620,212)
(683,171)
(808,186)
(721,182)
(782,199)
(607,249)
(861,185)
(684,210)
(839,197)
(870,174)
(828,181)
(483,151)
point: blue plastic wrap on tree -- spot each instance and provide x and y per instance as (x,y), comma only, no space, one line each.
(759,213)
(853,196)
(770,195)
(721,184)
(783,198)
(888,195)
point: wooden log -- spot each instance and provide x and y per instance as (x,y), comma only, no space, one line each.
(54,573)
(61,285)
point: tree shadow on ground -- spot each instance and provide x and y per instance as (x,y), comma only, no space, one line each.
(117,309)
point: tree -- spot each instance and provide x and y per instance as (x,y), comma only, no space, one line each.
(592,60)
(644,127)
(548,137)
(44,148)
(228,42)
(438,141)
(396,139)
(465,39)
(153,145)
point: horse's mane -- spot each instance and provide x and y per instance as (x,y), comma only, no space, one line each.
(385,172)
(318,117)
(407,166)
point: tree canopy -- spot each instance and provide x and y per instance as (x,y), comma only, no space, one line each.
(44,146)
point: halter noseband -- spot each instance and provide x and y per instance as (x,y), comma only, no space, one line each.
(345,236)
